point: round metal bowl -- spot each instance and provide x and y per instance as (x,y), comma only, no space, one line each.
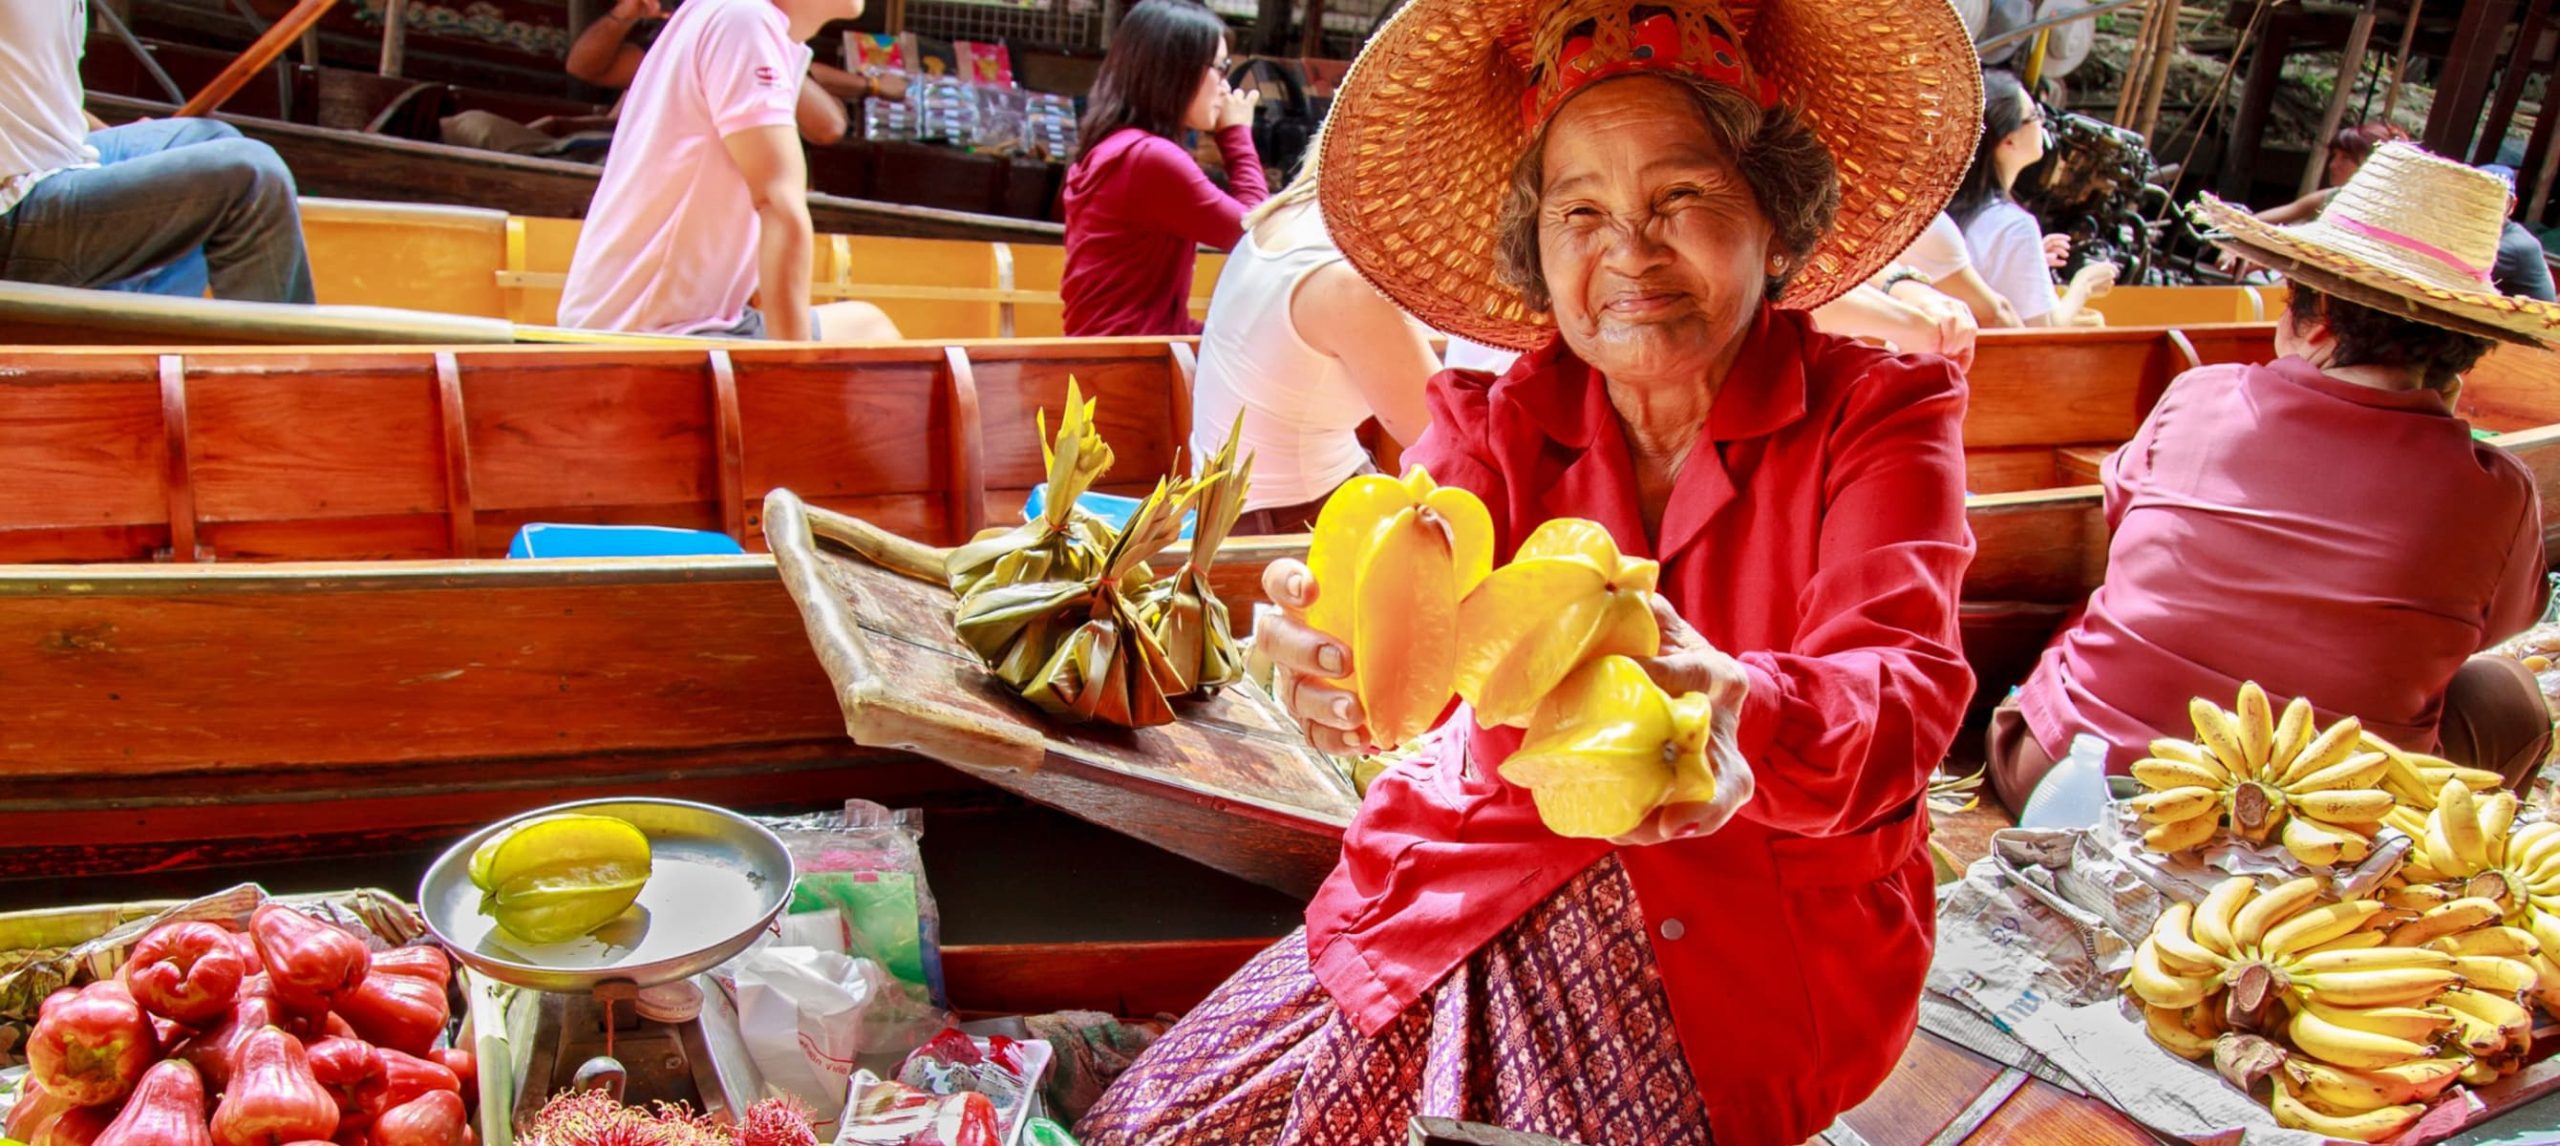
(716,880)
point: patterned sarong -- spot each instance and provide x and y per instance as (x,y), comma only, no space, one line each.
(1558,1026)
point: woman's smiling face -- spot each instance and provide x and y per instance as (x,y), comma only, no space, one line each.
(1654,250)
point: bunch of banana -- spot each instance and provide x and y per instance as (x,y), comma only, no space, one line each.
(1567,598)
(1608,746)
(2416,778)
(1185,615)
(2381,1007)
(2265,774)
(2470,850)
(1392,559)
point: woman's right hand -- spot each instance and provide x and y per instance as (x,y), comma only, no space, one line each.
(1235,106)
(1302,659)
(636,10)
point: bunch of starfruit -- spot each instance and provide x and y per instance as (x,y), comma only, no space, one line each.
(1066,542)
(1185,615)
(1075,645)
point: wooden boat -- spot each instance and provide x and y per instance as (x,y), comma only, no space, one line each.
(36,314)
(321,625)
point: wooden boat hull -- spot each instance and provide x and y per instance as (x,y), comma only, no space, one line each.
(170,714)
(354,165)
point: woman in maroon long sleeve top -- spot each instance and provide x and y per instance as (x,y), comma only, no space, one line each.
(1136,203)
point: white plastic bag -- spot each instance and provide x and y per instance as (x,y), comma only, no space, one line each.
(808,1016)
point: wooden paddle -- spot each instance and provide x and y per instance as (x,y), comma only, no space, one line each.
(278,38)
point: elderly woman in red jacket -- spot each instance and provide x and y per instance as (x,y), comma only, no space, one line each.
(1673,184)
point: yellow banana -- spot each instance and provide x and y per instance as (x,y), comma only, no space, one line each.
(2174,804)
(2503,942)
(2318,925)
(2497,973)
(2426,1078)
(2343,806)
(2160,988)
(2168,1027)
(2354,1091)
(2341,1045)
(2381,1124)
(2404,986)
(2161,775)
(2293,733)
(2458,916)
(2475,1036)
(2545,928)
(2384,958)
(2438,849)
(2458,817)
(2546,982)
(2416,1024)
(2479,1072)
(2534,844)
(2256,724)
(2418,897)
(2180,835)
(2361,771)
(2510,1017)
(2216,731)
(2497,819)
(2179,952)
(2330,748)
(2325,845)
(2273,906)
(2212,926)
(2352,941)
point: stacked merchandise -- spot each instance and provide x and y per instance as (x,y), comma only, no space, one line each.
(970,101)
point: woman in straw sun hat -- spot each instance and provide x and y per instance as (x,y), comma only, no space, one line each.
(1644,197)
(2323,524)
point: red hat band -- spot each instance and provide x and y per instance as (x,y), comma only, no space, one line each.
(1595,43)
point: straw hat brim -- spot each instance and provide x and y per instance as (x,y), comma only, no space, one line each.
(1426,128)
(2301,252)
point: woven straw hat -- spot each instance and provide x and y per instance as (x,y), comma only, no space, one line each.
(1427,126)
(2411,234)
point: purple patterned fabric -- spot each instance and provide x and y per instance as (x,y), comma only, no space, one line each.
(1558,1026)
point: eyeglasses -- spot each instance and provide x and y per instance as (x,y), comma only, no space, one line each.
(1224,65)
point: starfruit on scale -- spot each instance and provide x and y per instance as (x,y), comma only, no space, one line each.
(1566,597)
(1182,611)
(1608,746)
(1392,559)
(1066,542)
(1076,646)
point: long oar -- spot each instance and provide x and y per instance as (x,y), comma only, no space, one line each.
(255,60)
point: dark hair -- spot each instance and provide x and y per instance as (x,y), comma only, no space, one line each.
(1152,72)
(2000,117)
(2370,337)
(1790,172)
(2357,141)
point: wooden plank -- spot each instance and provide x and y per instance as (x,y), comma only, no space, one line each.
(2047,545)
(733,446)
(456,438)
(2008,469)
(2512,389)
(2079,465)
(584,430)
(2043,1113)
(84,443)
(277,440)
(178,460)
(1932,1081)
(2039,387)
(1136,979)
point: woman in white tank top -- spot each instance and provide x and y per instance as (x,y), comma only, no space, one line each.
(1307,350)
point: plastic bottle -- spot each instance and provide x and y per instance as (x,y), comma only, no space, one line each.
(2074,793)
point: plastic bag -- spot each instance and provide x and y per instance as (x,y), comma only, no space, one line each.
(807,1016)
(885,1113)
(866,866)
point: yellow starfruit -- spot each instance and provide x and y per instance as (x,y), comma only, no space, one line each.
(1391,560)
(1567,597)
(1608,746)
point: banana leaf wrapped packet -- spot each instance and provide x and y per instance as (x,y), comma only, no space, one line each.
(1182,611)
(1078,648)
(1066,542)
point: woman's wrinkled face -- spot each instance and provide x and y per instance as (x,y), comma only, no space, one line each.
(1654,251)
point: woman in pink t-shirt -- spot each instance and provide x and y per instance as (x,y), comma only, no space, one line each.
(2324,524)
(1137,205)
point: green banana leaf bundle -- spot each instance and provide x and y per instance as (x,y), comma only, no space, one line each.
(1066,543)
(1182,611)
(1077,647)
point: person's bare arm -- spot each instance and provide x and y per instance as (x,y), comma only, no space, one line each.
(778,180)
(1386,356)
(95,123)
(820,114)
(2094,280)
(2301,210)
(602,54)
(1990,311)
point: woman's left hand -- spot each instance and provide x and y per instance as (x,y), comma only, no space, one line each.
(1686,664)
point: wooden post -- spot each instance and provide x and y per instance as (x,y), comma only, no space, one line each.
(2464,85)
(1311,45)
(2519,65)
(2350,62)
(2541,156)
(2035,62)
(2240,155)
(277,38)
(2163,54)
(2137,66)
(1271,27)
(395,36)
(2400,60)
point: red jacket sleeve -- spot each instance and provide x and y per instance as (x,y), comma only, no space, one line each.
(1843,728)
(1180,197)
(1455,449)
